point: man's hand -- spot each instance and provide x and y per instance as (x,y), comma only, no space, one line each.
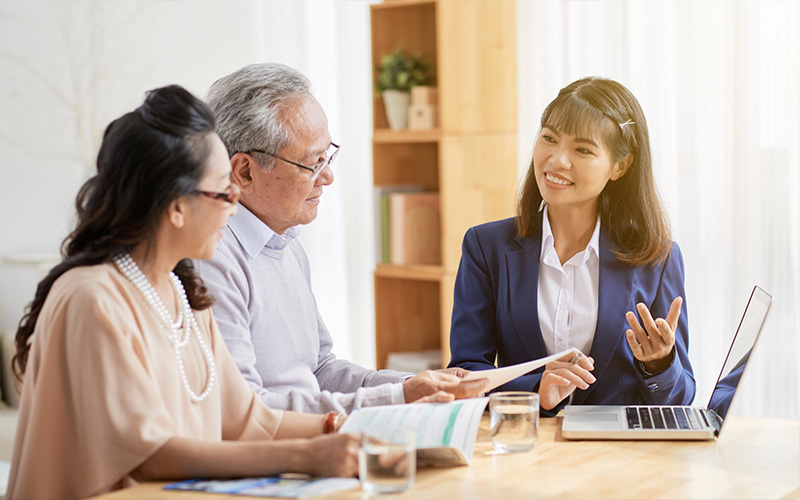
(441,386)
(455,370)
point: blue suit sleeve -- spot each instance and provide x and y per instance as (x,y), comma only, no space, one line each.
(473,331)
(676,384)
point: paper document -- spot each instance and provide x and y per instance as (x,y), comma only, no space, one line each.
(446,432)
(500,376)
(284,486)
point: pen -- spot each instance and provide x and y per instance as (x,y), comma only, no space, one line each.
(574,360)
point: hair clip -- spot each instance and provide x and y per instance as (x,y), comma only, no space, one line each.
(629,122)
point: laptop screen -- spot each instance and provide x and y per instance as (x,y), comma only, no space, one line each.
(743,342)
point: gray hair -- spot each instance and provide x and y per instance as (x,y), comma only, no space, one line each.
(247,102)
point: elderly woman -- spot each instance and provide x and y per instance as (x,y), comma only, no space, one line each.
(126,376)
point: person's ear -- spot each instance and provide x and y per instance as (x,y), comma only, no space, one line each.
(621,167)
(177,212)
(243,171)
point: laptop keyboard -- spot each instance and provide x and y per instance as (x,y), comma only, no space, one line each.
(663,417)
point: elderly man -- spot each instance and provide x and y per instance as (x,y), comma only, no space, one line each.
(281,154)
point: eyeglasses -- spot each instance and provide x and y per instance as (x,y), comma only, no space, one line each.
(326,160)
(231,194)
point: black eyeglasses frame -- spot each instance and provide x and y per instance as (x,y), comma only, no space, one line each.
(315,170)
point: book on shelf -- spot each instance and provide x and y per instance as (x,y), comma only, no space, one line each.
(415,228)
(382,218)
(414,361)
(446,432)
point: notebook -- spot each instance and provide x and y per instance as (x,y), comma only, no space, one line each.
(676,422)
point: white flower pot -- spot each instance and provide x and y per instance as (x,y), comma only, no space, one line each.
(396,103)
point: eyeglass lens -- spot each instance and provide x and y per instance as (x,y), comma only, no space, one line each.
(330,155)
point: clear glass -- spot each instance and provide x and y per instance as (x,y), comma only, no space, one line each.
(514,420)
(387,460)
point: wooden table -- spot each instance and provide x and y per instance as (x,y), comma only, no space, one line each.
(754,458)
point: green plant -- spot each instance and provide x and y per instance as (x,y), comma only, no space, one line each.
(398,71)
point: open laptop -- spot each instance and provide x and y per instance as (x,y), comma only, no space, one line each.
(676,422)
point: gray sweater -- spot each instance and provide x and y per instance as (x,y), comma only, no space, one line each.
(269,320)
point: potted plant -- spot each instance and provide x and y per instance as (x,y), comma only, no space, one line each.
(397,73)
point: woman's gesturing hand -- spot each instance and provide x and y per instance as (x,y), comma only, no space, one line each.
(652,343)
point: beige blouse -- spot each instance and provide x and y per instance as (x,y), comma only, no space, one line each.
(102,390)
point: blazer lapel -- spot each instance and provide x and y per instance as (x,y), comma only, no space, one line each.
(615,289)
(522,266)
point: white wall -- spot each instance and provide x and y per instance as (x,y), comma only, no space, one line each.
(68,69)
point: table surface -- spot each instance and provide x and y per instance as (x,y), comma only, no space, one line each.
(753,458)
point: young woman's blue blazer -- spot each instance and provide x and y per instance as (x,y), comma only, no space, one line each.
(495,315)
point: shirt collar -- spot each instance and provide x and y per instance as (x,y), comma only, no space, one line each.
(253,234)
(547,235)
(548,253)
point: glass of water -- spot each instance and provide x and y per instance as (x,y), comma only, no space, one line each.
(514,420)
(387,460)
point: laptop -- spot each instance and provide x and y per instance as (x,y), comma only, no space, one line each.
(676,422)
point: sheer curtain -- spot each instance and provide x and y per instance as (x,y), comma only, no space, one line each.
(720,86)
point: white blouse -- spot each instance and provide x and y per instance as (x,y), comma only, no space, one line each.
(568,295)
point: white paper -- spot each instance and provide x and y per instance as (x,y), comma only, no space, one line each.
(500,376)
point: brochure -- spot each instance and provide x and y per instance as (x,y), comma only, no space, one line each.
(500,376)
(284,486)
(446,432)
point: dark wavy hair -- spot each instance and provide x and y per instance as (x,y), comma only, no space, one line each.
(630,207)
(148,158)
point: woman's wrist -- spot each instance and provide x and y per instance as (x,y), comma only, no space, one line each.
(655,367)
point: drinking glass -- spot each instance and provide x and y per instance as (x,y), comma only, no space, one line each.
(387,460)
(514,421)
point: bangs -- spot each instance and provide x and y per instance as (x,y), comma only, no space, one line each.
(574,116)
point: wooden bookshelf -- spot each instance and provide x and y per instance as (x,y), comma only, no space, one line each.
(388,136)
(470,159)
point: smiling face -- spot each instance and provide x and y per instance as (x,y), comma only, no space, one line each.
(572,170)
(284,195)
(206,216)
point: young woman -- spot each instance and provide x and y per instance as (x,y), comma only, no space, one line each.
(126,376)
(589,245)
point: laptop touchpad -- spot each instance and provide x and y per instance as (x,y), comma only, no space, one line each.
(594,417)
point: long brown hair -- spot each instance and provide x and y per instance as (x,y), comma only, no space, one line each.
(148,158)
(630,207)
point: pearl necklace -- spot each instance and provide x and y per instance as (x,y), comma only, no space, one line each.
(128,267)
